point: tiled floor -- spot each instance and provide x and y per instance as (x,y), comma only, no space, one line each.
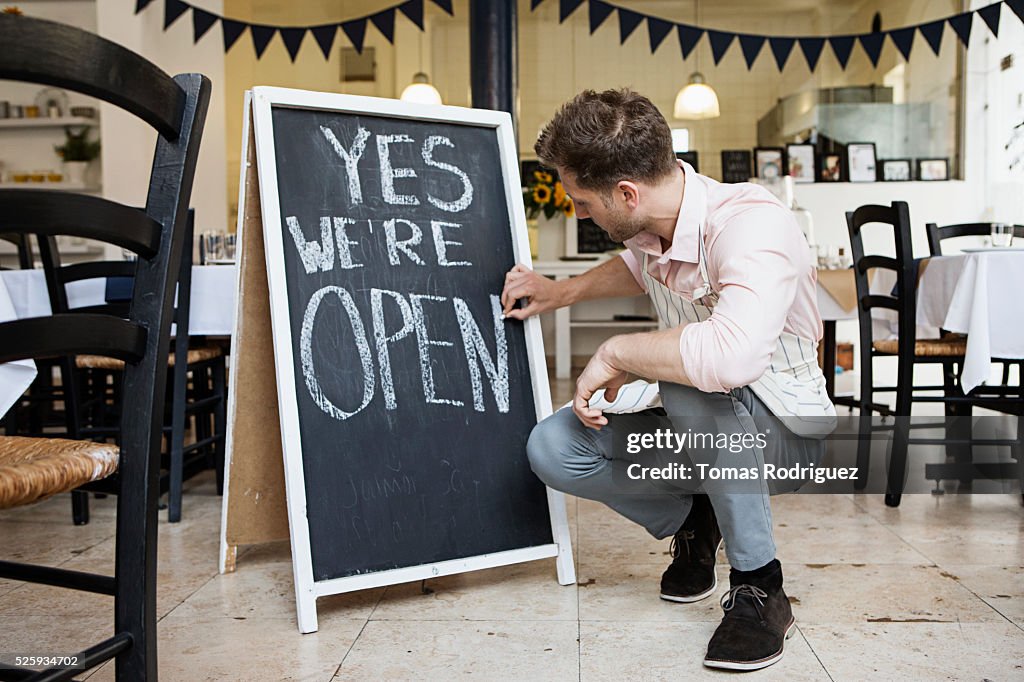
(931,590)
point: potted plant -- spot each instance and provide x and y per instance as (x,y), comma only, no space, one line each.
(77,151)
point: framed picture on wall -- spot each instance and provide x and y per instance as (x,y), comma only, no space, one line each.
(830,168)
(769,163)
(933,169)
(800,162)
(860,162)
(690,158)
(736,165)
(894,170)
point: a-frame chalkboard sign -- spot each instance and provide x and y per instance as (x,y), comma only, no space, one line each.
(404,399)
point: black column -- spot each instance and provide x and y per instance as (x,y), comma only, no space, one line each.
(493,67)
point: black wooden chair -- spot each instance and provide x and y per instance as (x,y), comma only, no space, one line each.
(92,383)
(48,53)
(908,351)
(24,249)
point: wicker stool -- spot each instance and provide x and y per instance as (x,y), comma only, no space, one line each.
(32,469)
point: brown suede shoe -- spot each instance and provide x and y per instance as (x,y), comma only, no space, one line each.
(758,621)
(691,575)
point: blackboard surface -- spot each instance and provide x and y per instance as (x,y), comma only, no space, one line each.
(736,164)
(414,398)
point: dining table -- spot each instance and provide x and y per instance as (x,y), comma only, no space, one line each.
(23,294)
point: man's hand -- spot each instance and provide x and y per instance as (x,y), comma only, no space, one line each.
(541,293)
(599,373)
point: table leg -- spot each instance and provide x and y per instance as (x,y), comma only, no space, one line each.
(829,357)
(563,342)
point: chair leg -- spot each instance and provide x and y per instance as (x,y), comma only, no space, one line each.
(958,422)
(219,419)
(1017,452)
(177,444)
(79,507)
(897,461)
(864,429)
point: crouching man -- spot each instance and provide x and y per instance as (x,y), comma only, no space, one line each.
(728,272)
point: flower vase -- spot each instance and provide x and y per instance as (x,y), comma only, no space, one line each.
(533,232)
(550,237)
(74,172)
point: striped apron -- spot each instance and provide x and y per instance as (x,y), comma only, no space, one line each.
(793,386)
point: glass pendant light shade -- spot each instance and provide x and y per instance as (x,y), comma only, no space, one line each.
(420,91)
(697,100)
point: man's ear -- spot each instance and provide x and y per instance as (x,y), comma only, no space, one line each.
(629,192)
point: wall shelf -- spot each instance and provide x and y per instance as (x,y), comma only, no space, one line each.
(52,186)
(45,122)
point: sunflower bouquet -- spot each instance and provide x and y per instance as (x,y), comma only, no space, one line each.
(546,195)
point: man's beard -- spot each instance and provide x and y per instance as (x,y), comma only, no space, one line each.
(621,227)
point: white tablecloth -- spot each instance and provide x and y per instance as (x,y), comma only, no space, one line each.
(978,294)
(15,377)
(23,294)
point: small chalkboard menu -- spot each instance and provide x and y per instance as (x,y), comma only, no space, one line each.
(736,165)
(406,399)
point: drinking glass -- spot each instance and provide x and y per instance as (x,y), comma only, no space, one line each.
(213,246)
(1002,235)
(229,246)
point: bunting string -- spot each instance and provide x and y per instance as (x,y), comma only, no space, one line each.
(658,29)
(292,36)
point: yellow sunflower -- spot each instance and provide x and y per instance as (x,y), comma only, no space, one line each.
(542,176)
(542,194)
(559,194)
(567,207)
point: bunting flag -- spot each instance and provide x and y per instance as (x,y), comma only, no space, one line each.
(872,44)
(990,15)
(628,21)
(842,46)
(324,34)
(688,38)
(599,11)
(903,39)
(720,43)
(658,29)
(781,47)
(932,33)
(566,8)
(751,47)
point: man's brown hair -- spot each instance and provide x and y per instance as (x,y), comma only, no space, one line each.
(605,137)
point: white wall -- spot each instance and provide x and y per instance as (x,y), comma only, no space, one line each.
(128,143)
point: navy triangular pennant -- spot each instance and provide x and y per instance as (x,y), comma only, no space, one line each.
(872,44)
(324,36)
(689,36)
(720,42)
(292,38)
(903,39)
(842,46)
(1017,6)
(628,21)
(446,5)
(751,46)
(932,33)
(356,32)
(141,5)
(261,36)
(232,30)
(566,8)
(413,11)
(202,21)
(781,47)
(172,10)
(598,11)
(657,31)
(990,15)
(961,25)
(811,47)
(534,4)
(385,23)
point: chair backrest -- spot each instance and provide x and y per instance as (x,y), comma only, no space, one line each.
(48,53)
(937,233)
(24,246)
(903,298)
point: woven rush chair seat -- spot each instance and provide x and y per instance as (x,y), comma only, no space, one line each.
(32,469)
(200,354)
(947,347)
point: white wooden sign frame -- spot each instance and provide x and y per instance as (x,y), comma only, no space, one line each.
(306,588)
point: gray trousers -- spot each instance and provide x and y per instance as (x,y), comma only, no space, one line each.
(574,459)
